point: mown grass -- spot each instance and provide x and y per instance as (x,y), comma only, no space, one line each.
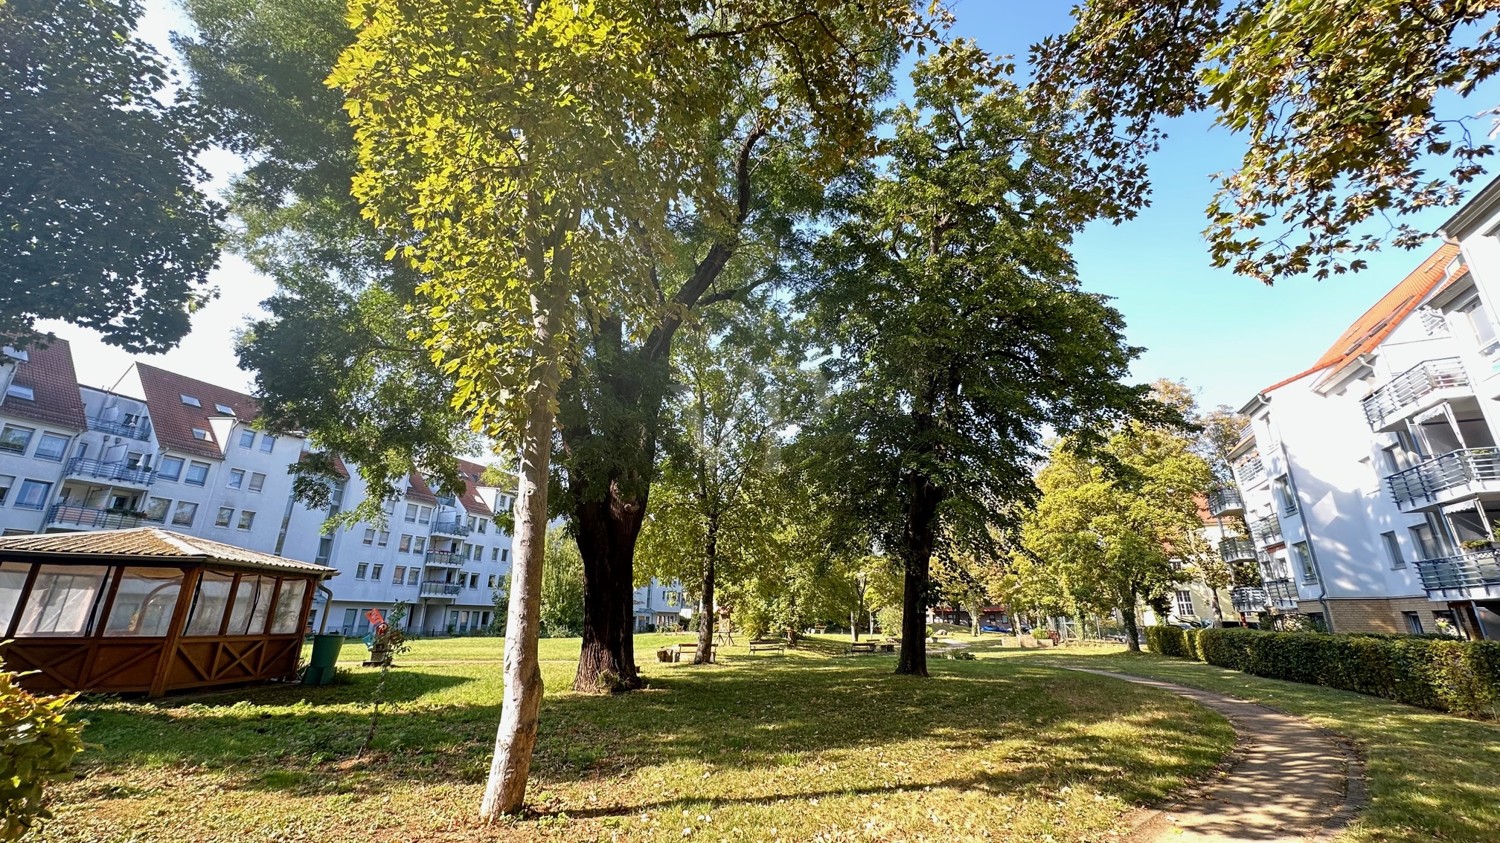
(806,746)
(1431,776)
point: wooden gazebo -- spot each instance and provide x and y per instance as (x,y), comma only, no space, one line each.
(149,611)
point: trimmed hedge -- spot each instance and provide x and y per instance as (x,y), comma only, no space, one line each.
(1168,640)
(1462,677)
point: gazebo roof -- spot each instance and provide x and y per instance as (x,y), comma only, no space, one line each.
(154,544)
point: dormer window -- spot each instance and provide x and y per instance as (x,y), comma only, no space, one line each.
(228,411)
(15,390)
(200,433)
(191,401)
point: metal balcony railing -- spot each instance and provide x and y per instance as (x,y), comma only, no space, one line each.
(1452,471)
(1234,550)
(450,528)
(1248,599)
(115,471)
(1221,501)
(1267,531)
(1250,471)
(102,519)
(1412,386)
(439,589)
(1281,595)
(445,559)
(141,431)
(1468,571)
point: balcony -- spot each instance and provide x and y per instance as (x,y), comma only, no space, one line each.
(1248,600)
(1468,576)
(113,472)
(440,590)
(455,529)
(1446,479)
(1224,501)
(1235,550)
(1267,531)
(89,518)
(1281,595)
(444,559)
(1417,388)
(141,431)
(1250,471)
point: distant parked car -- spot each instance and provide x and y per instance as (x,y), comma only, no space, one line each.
(994,627)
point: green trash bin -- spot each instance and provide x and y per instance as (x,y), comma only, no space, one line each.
(325,654)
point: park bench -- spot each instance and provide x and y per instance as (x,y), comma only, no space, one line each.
(862,647)
(767,645)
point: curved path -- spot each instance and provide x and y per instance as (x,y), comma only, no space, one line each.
(1285,781)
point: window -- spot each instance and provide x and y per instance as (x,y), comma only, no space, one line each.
(411,513)
(398,576)
(491,581)
(12,579)
(494,554)
(473,581)
(484,524)
(191,401)
(505,554)
(385,538)
(257,481)
(33,494)
(156,509)
(671,597)
(419,544)
(475,552)
(361,570)
(1392,550)
(267,442)
(405,545)
(225,410)
(6,481)
(184,514)
(369,536)
(424,515)
(64,601)
(247,520)
(144,602)
(170,468)
(288,607)
(1426,541)
(1284,495)
(251,606)
(1185,604)
(15,439)
(16,390)
(197,474)
(236,478)
(207,614)
(1305,561)
(1413,622)
(51,447)
(247,439)
(412,575)
(201,434)
(375,571)
(1480,325)
(226,514)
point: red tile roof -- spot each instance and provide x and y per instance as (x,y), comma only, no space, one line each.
(48,371)
(1377,323)
(155,543)
(174,421)
(419,490)
(470,499)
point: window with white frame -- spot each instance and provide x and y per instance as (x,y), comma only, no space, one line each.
(1305,561)
(25,393)
(51,447)
(385,538)
(236,478)
(411,513)
(247,439)
(257,481)
(375,571)
(191,401)
(1185,604)
(398,575)
(197,474)
(1481,326)
(369,536)
(156,509)
(267,442)
(170,468)
(15,439)
(412,574)
(404,546)
(247,520)
(361,570)
(201,434)
(1393,550)
(6,482)
(225,516)
(1285,497)
(184,514)
(33,494)
(419,544)
(224,409)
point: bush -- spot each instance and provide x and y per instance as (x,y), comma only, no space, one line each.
(37,744)
(1167,640)
(1194,650)
(1462,677)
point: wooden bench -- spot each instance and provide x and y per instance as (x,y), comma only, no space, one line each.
(887,646)
(759,646)
(862,647)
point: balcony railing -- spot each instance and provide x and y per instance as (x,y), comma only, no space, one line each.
(445,559)
(1267,531)
(64,515)
(117,472)
(1221,501)
(1466,576)
(141,431)
(1281,595)
(1442,476)
(457,529)
(1251,470)
(1411,386)
(1234,550)
(439,589)
(1248,600)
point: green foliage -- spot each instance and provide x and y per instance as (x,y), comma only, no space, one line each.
(37,745)
(562,586)
(102,222)
(1194,644)
(1337,102)
(500,599)
(889,618)
(1462,677)
(1168,641)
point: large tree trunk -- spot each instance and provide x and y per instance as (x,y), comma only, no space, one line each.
(1132,630)
(606,536)
(706,601)
(515,739)
(919,538)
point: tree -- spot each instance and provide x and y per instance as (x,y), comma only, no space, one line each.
(953,328)
(562,586)
(1338,102)
(1109,525)
(102,219)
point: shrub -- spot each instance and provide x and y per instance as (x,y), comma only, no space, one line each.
(1167,640)
(1193,649)
(37,744)
(1462,677)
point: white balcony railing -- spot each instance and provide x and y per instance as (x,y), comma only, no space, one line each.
(1452,474)
(1407,389)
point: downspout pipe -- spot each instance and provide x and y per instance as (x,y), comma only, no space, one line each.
(1312,550)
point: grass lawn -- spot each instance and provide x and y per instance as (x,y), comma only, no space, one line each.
(806,746)
(1431,776)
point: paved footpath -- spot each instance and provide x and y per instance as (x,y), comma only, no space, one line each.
(1286,781)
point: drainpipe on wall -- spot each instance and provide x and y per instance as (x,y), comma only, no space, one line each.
(1312,550)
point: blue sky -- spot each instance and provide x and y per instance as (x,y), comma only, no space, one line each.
(1226,336)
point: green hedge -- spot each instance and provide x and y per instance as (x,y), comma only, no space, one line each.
(1447,675)
(1167,640)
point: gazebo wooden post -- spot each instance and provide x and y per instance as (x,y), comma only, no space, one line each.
(25,595)
(174,632)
